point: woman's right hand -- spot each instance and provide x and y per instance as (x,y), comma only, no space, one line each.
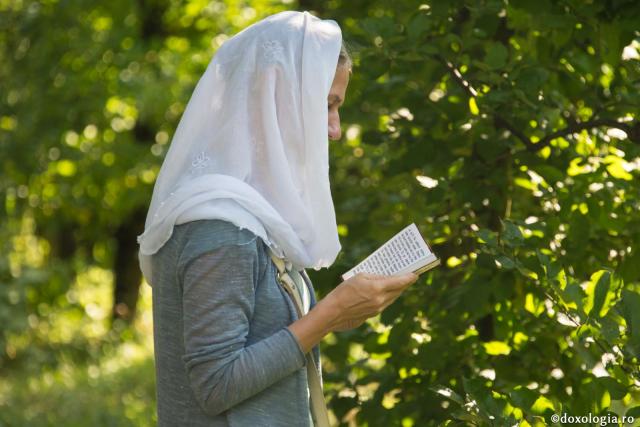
(348,306)
(363,296)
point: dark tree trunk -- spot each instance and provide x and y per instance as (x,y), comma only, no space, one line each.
(318,7)
(127,271)
(61,237)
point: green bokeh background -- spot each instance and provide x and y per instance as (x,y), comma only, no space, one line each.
(506,130)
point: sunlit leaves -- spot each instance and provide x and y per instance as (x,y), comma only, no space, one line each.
(473,107)
(495,348)
(602,292)
(66,168)
(618,168)
(533,305)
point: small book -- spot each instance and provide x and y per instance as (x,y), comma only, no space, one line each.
(405,252)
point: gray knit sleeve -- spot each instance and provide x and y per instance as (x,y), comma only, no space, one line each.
(218,302)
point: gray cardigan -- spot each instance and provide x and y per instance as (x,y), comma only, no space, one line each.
(223,354)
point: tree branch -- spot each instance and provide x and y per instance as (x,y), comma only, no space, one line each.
(500,121)
(578,126)
(457,76)
(632,130)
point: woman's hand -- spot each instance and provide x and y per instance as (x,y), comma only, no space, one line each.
(349,305)
(364,295)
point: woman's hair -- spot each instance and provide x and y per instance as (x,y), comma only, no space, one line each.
(344,59)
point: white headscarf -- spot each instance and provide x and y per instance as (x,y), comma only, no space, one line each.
(252,144)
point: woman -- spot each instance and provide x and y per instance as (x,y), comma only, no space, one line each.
(246,175)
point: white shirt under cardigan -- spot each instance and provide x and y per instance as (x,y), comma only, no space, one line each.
(223,354)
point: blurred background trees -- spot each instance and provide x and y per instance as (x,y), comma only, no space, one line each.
(507,130)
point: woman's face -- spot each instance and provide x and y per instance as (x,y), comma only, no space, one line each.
(336,99)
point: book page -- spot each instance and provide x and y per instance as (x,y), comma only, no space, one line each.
(406,251)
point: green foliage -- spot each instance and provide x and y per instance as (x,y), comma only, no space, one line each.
(508,131)
(492,126)
(106,392)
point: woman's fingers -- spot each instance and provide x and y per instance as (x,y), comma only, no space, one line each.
(398,282)
(370,276)
(391,287)
(365,295)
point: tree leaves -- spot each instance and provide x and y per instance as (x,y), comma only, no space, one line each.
(496,55)
(631,312)
(537,207)
(601,291)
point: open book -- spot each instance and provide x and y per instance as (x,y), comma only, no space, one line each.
(405,252)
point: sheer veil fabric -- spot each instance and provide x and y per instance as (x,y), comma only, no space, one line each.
(252,145)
